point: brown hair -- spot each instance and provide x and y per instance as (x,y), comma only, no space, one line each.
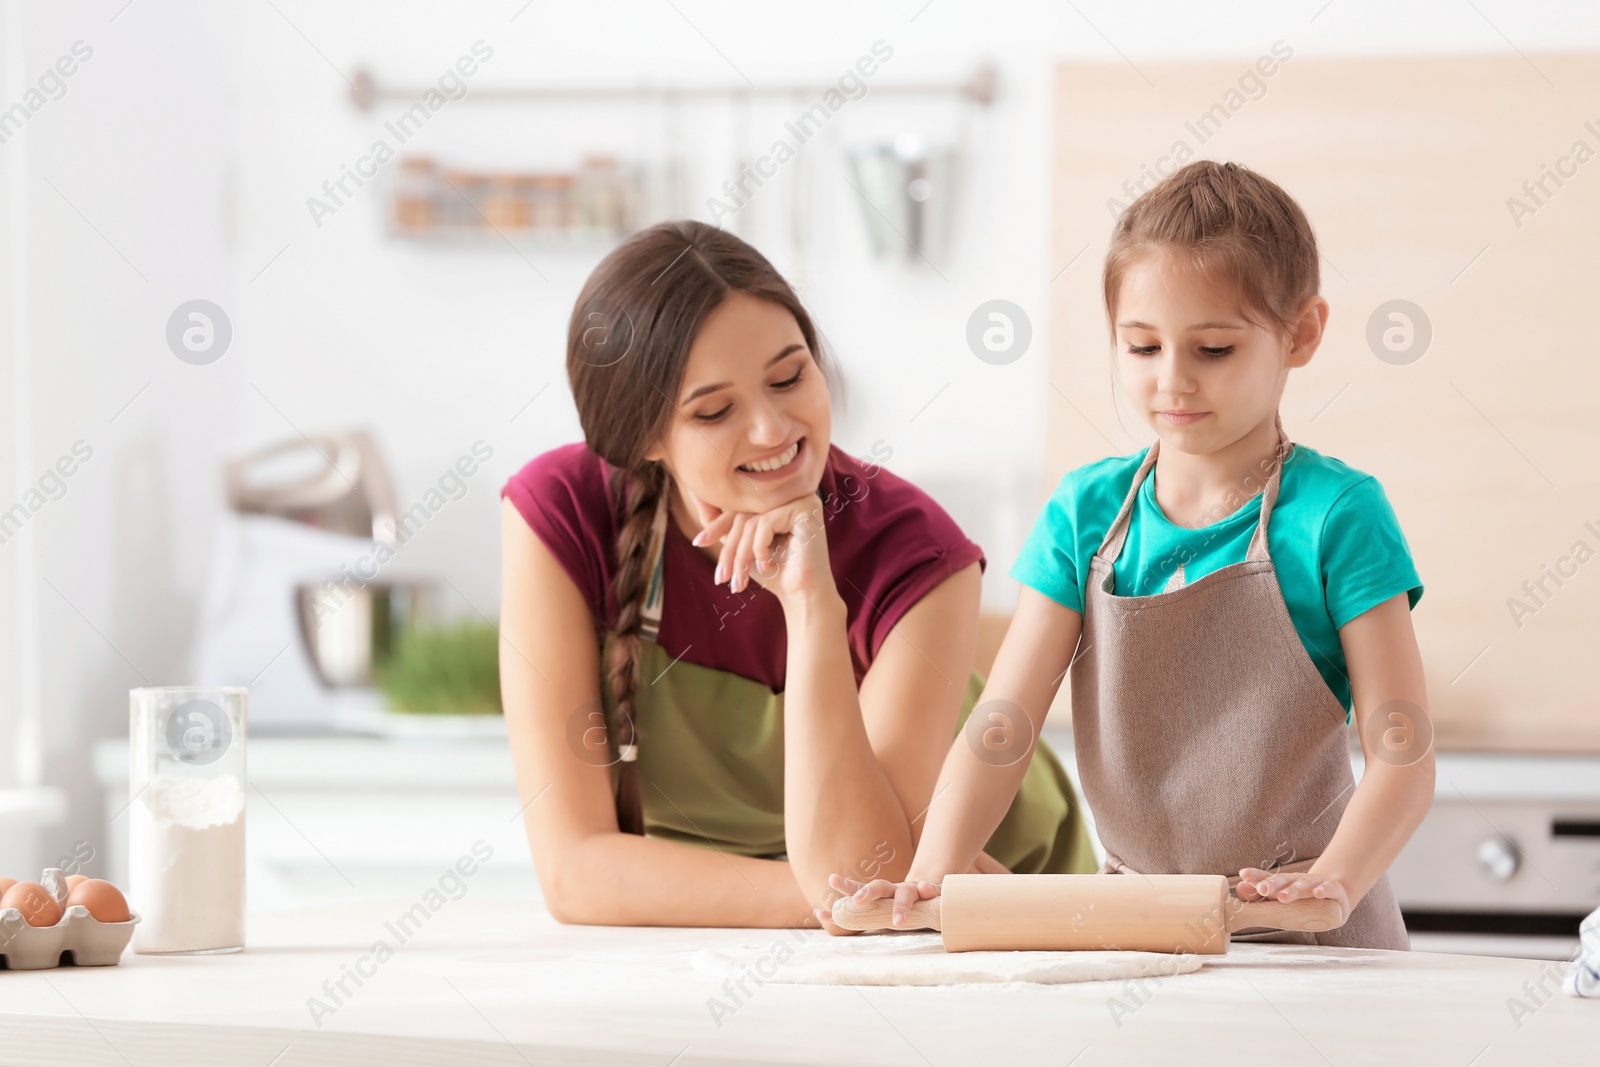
(627,344)
(1231,224)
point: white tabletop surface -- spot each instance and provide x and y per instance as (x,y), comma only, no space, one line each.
(482,976)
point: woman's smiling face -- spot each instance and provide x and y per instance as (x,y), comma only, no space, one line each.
(752,419)
(1201,373)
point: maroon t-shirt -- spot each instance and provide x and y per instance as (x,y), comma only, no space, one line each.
(889,544)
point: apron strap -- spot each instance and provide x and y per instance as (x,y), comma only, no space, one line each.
(1177,581)
(656,595)
(1111,546)
(1117,535)
(1269,495)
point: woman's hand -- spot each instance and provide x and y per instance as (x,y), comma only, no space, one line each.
(785,549)
(905,894)
(1256,884)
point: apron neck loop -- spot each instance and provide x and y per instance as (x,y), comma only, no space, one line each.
(656,591)
(1269,495)
(1111,546)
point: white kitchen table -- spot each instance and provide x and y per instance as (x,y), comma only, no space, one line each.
(486,982)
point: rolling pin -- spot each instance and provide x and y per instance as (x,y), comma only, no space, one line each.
(1146,912)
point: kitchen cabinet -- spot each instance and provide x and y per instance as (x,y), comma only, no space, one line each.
(331,818)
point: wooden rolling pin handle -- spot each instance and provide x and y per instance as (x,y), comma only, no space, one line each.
(1312,913)
(875,914)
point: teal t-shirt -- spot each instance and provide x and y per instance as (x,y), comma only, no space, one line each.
(1334,539)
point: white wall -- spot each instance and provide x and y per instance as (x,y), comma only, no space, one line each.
(123,187)
(179,161)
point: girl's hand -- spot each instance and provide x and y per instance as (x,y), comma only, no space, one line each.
(1256,884)
(906,893)
(785,550)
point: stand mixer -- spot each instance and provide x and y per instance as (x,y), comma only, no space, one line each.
(288,611)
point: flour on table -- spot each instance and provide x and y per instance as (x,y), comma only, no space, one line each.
(921,959)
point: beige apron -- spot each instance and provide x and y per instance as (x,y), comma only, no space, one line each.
(1207,741)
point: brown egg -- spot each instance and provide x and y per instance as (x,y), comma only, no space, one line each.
(74,879)
(37,906)
(105,901)
(6,883)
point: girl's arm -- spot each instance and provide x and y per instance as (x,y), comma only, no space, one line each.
(1396,787)
(973,793)
(590,872)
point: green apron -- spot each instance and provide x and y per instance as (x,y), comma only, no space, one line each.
(710,761)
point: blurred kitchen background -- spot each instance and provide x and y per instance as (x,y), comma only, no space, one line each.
(285,288)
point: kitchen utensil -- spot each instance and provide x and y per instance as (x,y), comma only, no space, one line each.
(907,191)
(349,632)
(333,481)
(305,514)
(1151,913)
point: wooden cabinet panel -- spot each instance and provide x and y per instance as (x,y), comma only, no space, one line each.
(1432,180)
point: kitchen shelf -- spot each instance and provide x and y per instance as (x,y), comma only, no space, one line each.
(477,237)
(980,87)
(588,208)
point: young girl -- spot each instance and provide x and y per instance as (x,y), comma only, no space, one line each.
(1215,649)
(699,741)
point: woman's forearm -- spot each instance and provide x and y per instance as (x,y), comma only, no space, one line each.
(840,811)
(616,879)
(1384,811)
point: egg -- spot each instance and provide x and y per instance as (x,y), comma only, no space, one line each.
(6,883)
(37,906)
(105,901)
(74,879)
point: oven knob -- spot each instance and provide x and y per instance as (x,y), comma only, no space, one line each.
(1498,858)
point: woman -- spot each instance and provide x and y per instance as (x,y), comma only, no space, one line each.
(724,639)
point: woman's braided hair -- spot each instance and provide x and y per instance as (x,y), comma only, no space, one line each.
(627,344)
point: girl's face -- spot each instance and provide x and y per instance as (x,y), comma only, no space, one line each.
(752,418)
(1202,375)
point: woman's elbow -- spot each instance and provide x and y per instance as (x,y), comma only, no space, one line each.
(574,907)
(567,894)
(560,907)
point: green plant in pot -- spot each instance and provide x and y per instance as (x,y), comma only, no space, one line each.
(451,669)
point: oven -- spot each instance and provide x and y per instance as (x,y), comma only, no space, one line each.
(1507,861)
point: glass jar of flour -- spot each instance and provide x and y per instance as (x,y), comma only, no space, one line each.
(186,818)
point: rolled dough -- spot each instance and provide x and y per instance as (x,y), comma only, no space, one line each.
(920,959)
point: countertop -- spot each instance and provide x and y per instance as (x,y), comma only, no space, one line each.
(490,982)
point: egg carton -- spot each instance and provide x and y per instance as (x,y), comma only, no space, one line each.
(78,935)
